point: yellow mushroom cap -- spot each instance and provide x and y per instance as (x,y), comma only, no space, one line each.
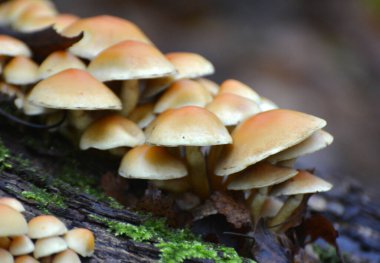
(265,134)
(110,132)
(48,246)
(57,62)
(184,92)
(5,256)
(12,47)
(81,240)
(151,162)
(26,259)
(260,175)
(303,183)
(67,256)
(190,65)
(232,109)
(21,245)
(21,71)
(130,60)
(45,226)
(12,222)
(238,88)
(13,203)
(187,126)
(33,22)
(266,104)
(73,89)
(318,140)
(101,32)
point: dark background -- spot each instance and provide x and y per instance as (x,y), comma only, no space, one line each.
(320,57)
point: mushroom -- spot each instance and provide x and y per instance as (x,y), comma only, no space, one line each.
(151,162)
(67,256)
(57,62)
(26,259)
(48,246)
(21,70)
(45,226)
(142,115)
(260,176)
(301,184)
(263,135)
(187,65)
(101,32)
(73,89)
(5,242)
(81,240)
(5,256)
(21,245)
(12,222)
(318,140)
(191,127)
(184,92)
(13,203)
(12,47)
(238,88)
(210,85)
(111,132)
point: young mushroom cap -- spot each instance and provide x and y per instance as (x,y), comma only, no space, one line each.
(303,183)
(110,132)
(73,89)
(101,32)
(318,140)
(81,240)
(187,126)
(21,71)
(57,62)
(26,259)
(48,246)
(45,226)
(259,175)
(187,65)
(21,245)
(238,88)
(5,256)
(13,203)
(232,109)
(190,65)
(184,92)
(130,60)
(265,134)
(12,222)
(67,256)
(12,47)
(151,162)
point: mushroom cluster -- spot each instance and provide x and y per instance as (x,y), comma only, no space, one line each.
(174,127)
(44,239)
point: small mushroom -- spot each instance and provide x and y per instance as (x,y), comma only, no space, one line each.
(21,245)
(12,222)
(26,259)
(5,256)
(21,71)
(13,47)
(12,202)
(67,256)
(45,226)
(238,88)
(81,240)
(48,246)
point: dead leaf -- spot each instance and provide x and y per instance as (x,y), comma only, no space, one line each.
(266,248)
(235,212)
(42,42)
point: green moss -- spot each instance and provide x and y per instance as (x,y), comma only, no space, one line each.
(327,254)
(4,157)
(44,199)
(175,245)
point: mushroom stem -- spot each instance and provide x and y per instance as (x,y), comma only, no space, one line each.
(216,182)
(257,203)
(197,171)
(129,96)
(291,204)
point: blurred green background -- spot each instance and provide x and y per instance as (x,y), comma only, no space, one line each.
(321,57)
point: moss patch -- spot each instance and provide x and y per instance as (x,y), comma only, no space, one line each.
(44,199)
(4,157)
(176,245)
